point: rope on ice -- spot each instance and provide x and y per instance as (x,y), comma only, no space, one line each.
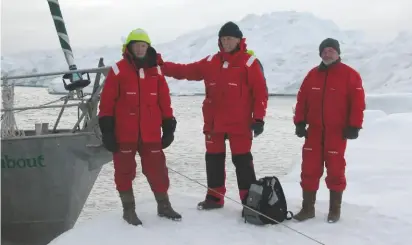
(233,200)
(8,124)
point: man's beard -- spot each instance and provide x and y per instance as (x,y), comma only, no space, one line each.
(328,62)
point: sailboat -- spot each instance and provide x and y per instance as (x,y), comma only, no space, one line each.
(47,171)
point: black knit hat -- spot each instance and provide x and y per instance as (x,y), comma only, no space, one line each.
(329,43)
(230,29)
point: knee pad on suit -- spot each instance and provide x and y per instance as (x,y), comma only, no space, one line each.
(215,169)
(245,171)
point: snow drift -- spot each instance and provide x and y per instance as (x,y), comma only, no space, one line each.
(286,43)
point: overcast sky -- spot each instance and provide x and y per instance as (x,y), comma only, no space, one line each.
(27,24)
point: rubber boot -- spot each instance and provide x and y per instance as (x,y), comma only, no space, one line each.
(164,208)
(128,202)
(335,202)
(210,202)
(308,206)
(208,205)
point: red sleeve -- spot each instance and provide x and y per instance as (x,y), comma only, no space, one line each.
(192,71)
(300,108)
(257,81)
(357,100)
(165,102)
(109,94)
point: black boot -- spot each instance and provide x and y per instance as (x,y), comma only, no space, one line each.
(209,204)
(164,208)
(128,202)
(308,206)
(335,202)
(215,171)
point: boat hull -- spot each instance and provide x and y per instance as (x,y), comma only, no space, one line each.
(45,182)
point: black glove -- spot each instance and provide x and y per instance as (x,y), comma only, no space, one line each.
(258,127)
(351,133)
(300,129)
(106,124)
(109,142)
(168,128)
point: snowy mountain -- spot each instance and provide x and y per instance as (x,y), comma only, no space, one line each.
(389,70)
(285,42)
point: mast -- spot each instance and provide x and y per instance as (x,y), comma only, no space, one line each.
(64,42)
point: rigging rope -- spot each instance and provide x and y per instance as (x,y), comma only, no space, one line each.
(288,227)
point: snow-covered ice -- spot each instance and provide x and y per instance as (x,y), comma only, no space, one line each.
(286,43)
(376,206)
(390,102)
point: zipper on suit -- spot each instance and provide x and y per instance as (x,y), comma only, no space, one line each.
(217,86)
(139,137)
(323,115)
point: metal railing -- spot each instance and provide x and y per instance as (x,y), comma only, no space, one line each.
(88,108)
(103,69)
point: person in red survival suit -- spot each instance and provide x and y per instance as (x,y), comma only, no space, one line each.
(331,101)
(234,106)
(135,107)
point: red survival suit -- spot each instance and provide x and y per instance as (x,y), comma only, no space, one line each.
(331,98)
(236,95)
(137,97)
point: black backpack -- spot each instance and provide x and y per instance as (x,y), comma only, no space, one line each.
(266,196)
